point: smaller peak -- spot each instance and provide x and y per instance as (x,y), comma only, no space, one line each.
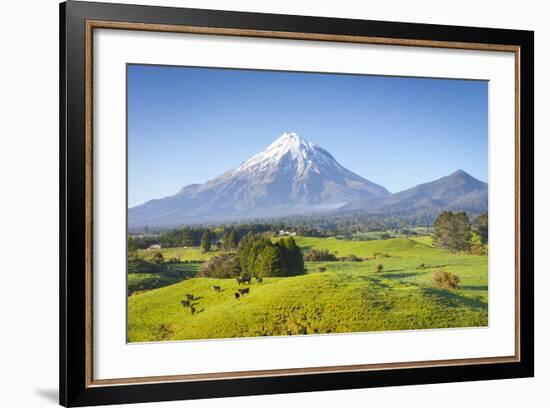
(462,175)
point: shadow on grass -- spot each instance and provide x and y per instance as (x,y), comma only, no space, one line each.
(448,265)
(474,287)
(388,275)
(449,299)
(196,298)
(374,281)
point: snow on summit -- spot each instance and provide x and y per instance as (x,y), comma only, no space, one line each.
(305,156)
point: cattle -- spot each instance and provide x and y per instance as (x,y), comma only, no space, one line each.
(217,288)
(237,295)
(259,279)
(190,297)
(192,309)
(244,291)
(244,279)
(185,303)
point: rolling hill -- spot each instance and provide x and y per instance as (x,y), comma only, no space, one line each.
(333,297)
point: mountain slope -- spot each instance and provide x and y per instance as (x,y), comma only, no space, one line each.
(291,176)
(458,191)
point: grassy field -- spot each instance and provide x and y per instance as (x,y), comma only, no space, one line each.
(139,282)
(345,297)
(184,254)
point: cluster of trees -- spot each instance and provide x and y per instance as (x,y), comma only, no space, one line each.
(194,236)
(481,225)
(141,242)
(257,256)
(453,231)
(326,225)
(229,239)
(322,255)
(353,221)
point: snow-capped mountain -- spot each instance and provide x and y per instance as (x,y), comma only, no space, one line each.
(291,176)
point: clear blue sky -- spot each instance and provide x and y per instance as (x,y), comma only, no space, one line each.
(189,125)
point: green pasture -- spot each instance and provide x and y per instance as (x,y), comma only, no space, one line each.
(189,254)
(333,297)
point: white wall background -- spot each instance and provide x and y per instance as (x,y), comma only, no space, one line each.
(29,204)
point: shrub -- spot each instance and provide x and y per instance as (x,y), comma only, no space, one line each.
(422,266)
(446,280)
(321,269)
(352,258)
(157,258)
(379,268)
(319,255)
(221,266)
(478,249)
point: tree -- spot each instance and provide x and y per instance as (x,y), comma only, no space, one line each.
(157,258)
(221,266)
(293,260)
(481,225)
(233,239)
(230,239)
(259,256)
(206,241)
(269,261)
(452,231)
(132,247)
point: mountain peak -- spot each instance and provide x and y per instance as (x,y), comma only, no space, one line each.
(289,137)
(290,176)
(290,141)
(462,175)
(288,147)
(460,172)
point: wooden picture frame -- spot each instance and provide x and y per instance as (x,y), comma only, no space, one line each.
(77,23)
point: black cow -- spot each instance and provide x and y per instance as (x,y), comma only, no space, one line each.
(237,296)
(217,288)
(190,297)
(259,279)
(244,291)
(244,279)
(192,308)
(185,303)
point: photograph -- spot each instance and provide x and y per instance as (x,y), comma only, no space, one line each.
(279,203)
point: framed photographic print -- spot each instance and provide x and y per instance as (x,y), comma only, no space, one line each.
(256,203)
